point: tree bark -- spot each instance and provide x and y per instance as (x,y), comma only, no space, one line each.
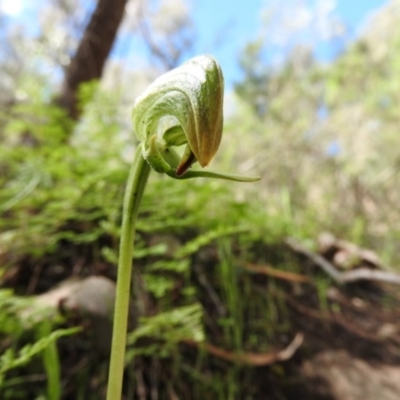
(93,50)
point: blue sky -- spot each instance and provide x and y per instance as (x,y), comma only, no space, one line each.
(354,12)
(223,27)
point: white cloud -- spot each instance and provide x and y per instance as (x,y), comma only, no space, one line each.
(11,7)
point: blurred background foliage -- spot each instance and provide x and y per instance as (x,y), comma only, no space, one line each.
(322,135)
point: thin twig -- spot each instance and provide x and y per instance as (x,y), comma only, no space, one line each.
(309,312)
(333,318)
(356,330)
(210,291)
(34,279)
(276,273)
(254,359)
(154,380)
(140,388)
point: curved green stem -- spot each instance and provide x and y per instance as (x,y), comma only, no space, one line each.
(137,180)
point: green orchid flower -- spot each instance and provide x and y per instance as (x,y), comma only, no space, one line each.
(183,106)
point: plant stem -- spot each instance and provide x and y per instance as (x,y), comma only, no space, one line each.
(137,180)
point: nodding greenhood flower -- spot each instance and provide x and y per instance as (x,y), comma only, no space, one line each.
(183,106)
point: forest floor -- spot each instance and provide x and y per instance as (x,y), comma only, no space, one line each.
(332,318)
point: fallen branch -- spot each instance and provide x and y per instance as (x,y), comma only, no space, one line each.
(325,265)
(371,275)
(349,252)
(347,276)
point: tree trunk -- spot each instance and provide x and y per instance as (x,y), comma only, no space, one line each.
(92,52)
